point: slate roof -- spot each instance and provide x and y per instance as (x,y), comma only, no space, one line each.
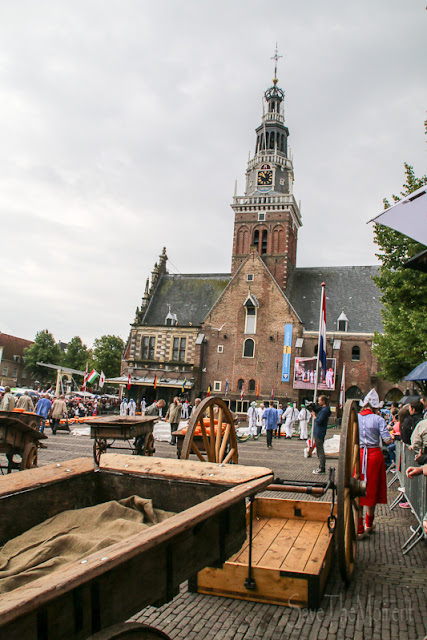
(348,289)
(190,296)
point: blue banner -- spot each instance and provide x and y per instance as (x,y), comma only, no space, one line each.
(287,346)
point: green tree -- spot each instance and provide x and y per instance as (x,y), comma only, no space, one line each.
(403,345)
(78,355)
(44,349)
(107,352)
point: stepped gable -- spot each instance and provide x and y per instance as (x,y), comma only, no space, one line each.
(348,289)
(189,296)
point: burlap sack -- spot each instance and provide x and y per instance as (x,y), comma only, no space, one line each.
(72,535)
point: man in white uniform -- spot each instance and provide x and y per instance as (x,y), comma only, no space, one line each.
(124,407)
(252,420)
(288,419)
(303,417)
(132,407)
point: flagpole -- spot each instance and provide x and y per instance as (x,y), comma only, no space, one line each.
(318,345)
(317,369)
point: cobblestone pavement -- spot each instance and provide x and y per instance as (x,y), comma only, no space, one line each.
(386,600)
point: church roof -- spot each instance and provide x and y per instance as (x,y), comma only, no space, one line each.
(348,289)
(189,296)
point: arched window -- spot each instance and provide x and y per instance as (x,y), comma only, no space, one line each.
(249,348)
(394,395)
(250,324)
(240,384)
(354,393)
(272,140)
(251,385)
(256,238)
(355,353)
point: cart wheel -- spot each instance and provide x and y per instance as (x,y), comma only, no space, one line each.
(349,490)
(130,631)
(149,445)
(99,447)
(220,445)
(29,457)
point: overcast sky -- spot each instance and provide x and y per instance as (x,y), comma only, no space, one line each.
(124,125)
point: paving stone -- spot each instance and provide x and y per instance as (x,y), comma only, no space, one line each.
(385,581)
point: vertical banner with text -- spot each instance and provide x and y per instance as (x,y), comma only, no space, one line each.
(287,346)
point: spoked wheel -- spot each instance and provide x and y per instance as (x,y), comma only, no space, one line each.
(99,447)
(219,440)
(29,457)
(349,490)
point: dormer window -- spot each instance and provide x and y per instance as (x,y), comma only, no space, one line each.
(251,305)
(342,322)
(171,319)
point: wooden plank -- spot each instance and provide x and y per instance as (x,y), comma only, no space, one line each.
(275,555)
(270,586)
(317,556)
(31,478)
(211,472)
(257,525)
(26,599)
(300,509)
(262,541)
(298,555)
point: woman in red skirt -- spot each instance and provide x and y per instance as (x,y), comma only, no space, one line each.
(371,429)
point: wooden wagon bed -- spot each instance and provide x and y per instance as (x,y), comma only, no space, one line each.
(111,585)
(19,436)
(291,556)
(136,431)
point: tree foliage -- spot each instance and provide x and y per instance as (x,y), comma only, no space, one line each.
(403,345)
(78,355)
(107,352)
(44,349)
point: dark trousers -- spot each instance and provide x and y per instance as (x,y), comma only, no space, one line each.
(174,427)
(54,424)
(320,452)
(269,437)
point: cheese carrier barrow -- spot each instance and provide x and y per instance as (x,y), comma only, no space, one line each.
(81,599)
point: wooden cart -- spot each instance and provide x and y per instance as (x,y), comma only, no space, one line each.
(287,556)
(19,436)
(113,584)
(136,431)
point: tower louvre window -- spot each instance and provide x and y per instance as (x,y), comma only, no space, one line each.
(264,242)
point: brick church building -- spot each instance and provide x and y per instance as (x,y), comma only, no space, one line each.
(252,334)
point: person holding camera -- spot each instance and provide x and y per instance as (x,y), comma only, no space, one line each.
(321,414)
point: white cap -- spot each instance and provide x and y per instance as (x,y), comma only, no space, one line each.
(373,399)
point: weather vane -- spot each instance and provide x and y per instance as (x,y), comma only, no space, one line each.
(275,58)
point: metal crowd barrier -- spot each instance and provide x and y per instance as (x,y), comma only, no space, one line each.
(414,490)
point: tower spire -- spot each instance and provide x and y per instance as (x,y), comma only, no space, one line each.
(276,57)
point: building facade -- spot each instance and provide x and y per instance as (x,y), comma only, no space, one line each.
(12,362)
(252,334)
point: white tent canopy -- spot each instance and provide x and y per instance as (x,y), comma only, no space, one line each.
(408,216)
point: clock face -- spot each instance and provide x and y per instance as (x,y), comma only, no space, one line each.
(265,177)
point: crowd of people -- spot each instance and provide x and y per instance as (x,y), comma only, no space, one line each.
(54,409)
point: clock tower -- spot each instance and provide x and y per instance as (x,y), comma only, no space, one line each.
(267,217)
